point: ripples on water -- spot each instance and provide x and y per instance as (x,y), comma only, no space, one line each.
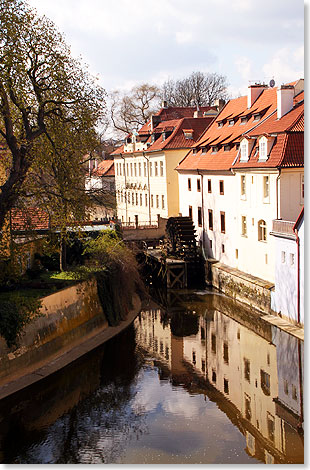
(198,381)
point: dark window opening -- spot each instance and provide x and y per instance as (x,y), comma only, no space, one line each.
(221,187)
(210,215)
(209,186)
(223,222)
(199,217)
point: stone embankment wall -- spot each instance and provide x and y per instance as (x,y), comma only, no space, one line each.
(66,317)
(248,289)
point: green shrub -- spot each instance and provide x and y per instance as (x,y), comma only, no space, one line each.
(15,313)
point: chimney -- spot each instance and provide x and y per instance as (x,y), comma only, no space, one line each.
(197,113)
(253,92)
(219,103)
(285,99)
(299,86)
(155,120)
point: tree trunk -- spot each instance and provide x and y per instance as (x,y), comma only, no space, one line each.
(63,254)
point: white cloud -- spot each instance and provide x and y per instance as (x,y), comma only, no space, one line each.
(286,65)
(244,67)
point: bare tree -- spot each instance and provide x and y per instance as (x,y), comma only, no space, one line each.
(130,111)
(198,89)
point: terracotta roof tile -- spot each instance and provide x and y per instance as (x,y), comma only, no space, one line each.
(105,168)
(29,219)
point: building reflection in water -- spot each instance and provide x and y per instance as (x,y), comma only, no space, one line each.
(253,374)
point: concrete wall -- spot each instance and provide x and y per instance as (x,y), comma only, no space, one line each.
(67,316)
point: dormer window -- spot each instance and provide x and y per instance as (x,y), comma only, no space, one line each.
(204,150)
(164,136)
(237,145)
(244,156)
(231,122)
(257,117)
(220,124)
(226,148)
(243,120)
(188,133)
(153,138)
(214,149)
(194,151)
(263,149)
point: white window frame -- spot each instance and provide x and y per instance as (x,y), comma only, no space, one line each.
(263,149)
(243,187)
(266,189)
(244,151)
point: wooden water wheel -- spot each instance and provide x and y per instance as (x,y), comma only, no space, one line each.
(181,238)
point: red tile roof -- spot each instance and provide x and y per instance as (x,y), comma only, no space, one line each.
(29,219)
(105,168)
(287,151)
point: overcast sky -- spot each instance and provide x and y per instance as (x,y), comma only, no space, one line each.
(128,42)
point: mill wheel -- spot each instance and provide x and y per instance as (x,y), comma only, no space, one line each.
(181,238)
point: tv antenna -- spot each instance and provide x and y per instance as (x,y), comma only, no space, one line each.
(272,83)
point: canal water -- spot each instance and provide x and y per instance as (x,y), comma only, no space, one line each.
(195,379)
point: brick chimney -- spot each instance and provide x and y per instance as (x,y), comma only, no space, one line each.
(285,99)
(254,91)
(219,103)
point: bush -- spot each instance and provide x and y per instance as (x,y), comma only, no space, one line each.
(15,313)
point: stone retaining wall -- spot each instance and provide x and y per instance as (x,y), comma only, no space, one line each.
(67,316)
(248,289)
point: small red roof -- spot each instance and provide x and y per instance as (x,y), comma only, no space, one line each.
(29,219)
(105,168)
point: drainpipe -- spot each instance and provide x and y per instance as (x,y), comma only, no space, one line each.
(148,185)
(277,191)
(203,217)
(298,275)
(125,185)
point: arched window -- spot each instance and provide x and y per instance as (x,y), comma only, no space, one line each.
(262,230)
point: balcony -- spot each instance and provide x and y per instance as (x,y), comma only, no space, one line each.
(284,227)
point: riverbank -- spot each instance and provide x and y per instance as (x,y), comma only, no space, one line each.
(72,323)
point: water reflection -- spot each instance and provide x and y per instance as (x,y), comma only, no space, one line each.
(195,380)
(257,377)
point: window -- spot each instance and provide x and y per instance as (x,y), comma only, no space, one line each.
(145,169)
(256,117)
(262,231)
(213,343)
(244,151)
(198,185)
(270,426)
(199,217)
(214,149)
(231,122)
(237,253)
(194,357)
(243,225)
(243,186)
(140,199)
(151,169)
(286,387)
(220,124)
(226,386)
(209,186)
(213,376)
(283,257)
(226,148)
(302,188)
(131,170)
(139,169)
(294,392)
(127,165)
(263,149)
(137,197)
(265,382)
(190,212)
(161,168)
(243,120)
(157,201)
(246,369)
(163,202)
(132,198)
(247,407)
(135,168)
(210,217)
(202,333)
(266,187)
(189,184)
(292,259)
(156,169)
(204,150)
(195,151)
(225,352)
(152,200)
(203,365)
(223,248)
(222,222)
(221,187)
